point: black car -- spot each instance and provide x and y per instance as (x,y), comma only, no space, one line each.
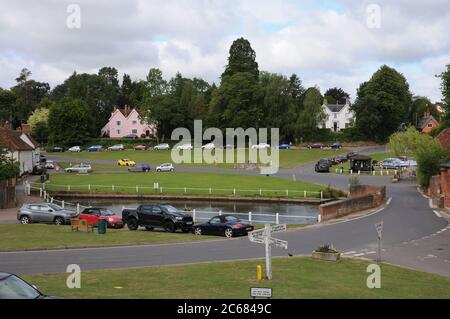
(56,149)
(223,225)
(336,146)
(140,168)
(13,287)
(351,154)
(157,215)
(323,165)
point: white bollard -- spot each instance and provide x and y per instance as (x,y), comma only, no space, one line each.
(250,217)
(193,214)
(112,187)
(78,208)
(319,218)
(373,173)
(123,207)
(351,172)
(304,194)
(160,190)
(234,191)
(185,190)
(89,187)
(45,194)
(68,188)
(287,193)
(277,216)
(381,172)
(40,192)
(210,191)
(321,195)
(359,172)
(51,200)
(220,213)
(62,204)
(137,189)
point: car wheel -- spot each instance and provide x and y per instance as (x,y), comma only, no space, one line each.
(228,233)
(171,169)
(149,228)
(169,227)
(132,224)
(24,220)
(59,221)
(158,170)
(198,231)
(69,171)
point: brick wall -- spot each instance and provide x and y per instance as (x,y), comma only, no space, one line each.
(445,184)
(362,197)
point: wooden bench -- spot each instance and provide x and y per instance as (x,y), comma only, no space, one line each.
(77,224)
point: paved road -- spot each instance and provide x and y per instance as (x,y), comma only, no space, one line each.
(413,236)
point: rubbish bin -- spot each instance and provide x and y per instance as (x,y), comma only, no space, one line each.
(102,226)
(42,179)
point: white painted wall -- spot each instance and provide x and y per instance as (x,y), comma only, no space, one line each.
(25,159)
(342,118)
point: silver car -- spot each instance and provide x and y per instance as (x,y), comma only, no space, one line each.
(44,213)
(117,147)
(80,168)
(163,146)
(166,167)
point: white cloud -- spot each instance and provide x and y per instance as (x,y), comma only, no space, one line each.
(327,43)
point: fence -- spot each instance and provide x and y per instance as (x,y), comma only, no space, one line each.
(157,189)
(196,214)
(380,172)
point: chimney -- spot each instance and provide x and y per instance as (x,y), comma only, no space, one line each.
(25,128)
(426,114)
(347,100)
(114,109)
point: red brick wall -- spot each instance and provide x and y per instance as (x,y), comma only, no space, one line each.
(445,185)
(444,138)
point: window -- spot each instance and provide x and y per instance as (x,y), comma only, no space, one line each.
(215,220)
(430,125)
(118,123)
(134,131)
(118,131)
(134,122)
(157,210)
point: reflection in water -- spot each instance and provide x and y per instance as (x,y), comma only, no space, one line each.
(207,209)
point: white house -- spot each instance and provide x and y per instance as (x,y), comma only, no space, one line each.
(21,147)
(127,121)
(339,116)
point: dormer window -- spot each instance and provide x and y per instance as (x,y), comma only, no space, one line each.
(118,123)
(134,122)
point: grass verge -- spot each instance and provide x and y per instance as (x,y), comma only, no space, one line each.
(295,277)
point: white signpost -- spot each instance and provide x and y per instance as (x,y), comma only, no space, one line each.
(263,236)
(379,228)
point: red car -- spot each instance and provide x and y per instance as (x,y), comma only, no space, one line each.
(93,214)
(139,148)
(317,145)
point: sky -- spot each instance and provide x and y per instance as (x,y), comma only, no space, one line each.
(327,43)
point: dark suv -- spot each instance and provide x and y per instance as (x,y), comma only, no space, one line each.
(323,165)
(157,215)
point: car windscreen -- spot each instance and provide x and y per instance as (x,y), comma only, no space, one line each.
(13,287)
(231,219)
(106,212)
(170,208)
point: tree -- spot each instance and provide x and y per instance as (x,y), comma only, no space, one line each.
(382,103)
(242,58)
(419,106)
(312,114)
(70,122)
(336,96)
(40,115)
(156,85)
(126,90)
(7,105)
(9,168)
(110,74)
(445,89)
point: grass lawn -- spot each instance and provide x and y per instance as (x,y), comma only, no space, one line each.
(288,158)
(41,236)
(294,277)
(175,182)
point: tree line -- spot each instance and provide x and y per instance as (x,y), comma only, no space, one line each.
(77,109)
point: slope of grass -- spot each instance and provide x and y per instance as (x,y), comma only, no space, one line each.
(296,277)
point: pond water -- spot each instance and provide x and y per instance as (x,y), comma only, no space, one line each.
(289,213)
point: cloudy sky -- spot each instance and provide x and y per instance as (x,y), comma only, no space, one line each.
(326,42)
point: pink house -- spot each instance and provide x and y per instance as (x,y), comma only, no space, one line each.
(127,121)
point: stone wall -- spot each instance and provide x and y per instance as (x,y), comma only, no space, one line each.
(362,197)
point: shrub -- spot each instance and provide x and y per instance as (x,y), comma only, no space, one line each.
(327,248)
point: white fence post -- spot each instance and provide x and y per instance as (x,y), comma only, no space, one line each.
(277,216)
(89,187)
(321,195)
(319,218)
(112,187)
(185,190)
(193,214)
(220,213)
(40,192)
(260,192)
(78,208)
(160,190)
(62,204)
(137,189)
(234,191)
(287,193)
(250,217)
(304,194)
(45,194)
(51,200)
(210,191)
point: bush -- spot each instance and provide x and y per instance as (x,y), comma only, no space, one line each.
(327,248)
(429,159)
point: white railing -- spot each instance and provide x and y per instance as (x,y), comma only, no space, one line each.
(185,190)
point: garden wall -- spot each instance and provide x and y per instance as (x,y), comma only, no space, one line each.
(362,197)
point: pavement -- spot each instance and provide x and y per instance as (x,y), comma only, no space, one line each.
(414,236)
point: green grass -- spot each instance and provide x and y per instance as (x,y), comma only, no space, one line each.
(41,236)
(288,158)
(221,184)
(295,277)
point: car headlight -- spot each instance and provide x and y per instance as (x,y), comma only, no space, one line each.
(110,220)
(179,218)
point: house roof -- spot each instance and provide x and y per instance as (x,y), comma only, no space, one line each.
(11,140)
(335,108)
(126,111)
(424,121)
(35,143)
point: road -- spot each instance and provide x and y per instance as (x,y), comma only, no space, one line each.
(413,236)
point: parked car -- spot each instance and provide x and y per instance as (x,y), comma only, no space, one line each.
(140,168)
(224,225)
(209,146)
(157,215)
(95,148)
(93,214)
(79,168)
(44,213)
(56,149)
(49,164)
(317,145)
(405,162)
(184,147)
(75,149)
(166,167)
(341,158)
(39,169)
(126,162)
(351,154)
(336,146)
(117,147)
(140,148)
(260,146)
(131,136)
(283,146)
(163,146)
(390,163)
(323,165)
(14,287)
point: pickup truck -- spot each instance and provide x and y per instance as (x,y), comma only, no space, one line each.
(157,215)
